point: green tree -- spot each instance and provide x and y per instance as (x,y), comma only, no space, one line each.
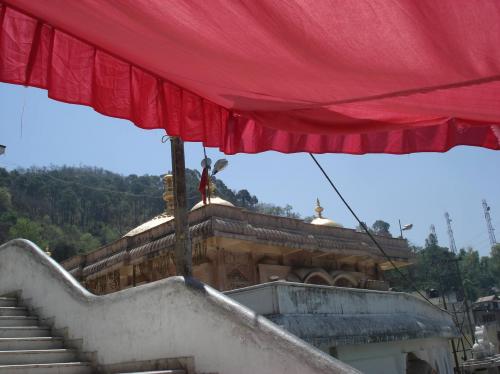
(27,229)
(79,209)
(5,200)
(470,268)
(495,263)
(380,227)
(433,269)
(246,200)
(276,210)
(87,242)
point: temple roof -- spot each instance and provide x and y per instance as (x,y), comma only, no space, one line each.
(234,223)
(213,200)
(153,222)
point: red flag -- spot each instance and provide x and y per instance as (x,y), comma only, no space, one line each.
(203,185)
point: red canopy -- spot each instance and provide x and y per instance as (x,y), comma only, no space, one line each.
(249,76)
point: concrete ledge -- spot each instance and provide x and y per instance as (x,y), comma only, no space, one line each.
(164,319)
(343,316)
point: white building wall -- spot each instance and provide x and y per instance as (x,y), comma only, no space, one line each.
(373,331)
(390,358)
(163,319)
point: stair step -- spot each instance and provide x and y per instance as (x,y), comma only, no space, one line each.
(55,368)
(24,332)
(176,371)
(8,301)
(42,356)
(13,321)
(13,311)
(13,344)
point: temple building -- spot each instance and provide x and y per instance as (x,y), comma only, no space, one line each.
(284,269)
(234,248)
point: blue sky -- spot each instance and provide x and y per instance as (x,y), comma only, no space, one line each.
(415,188)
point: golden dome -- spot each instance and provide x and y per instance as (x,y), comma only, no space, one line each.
(167,215)
(153,222)
(213,200)
(322,221)
(216,200)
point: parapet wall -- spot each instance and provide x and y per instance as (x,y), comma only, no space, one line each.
(334,316)
(164,319)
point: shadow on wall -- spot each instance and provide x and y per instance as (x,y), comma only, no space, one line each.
(415,365)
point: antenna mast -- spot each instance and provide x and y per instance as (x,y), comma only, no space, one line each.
(433,231)
(453,246)
(491,230)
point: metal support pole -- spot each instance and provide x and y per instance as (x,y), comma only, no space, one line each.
(466,302)
(183,257)
(453,347)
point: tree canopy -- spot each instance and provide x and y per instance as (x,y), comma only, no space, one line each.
(380,227)
(437,268)
(76,209)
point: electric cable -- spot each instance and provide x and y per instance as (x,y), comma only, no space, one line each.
(102,189)
(363,225)
(22,111)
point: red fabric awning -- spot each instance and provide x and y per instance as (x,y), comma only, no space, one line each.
(250,76)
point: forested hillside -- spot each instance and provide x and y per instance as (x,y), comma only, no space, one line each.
(436,268)
(72,209)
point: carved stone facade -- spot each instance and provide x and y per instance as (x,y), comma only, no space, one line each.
(233,248)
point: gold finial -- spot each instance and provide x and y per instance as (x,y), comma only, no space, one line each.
(168,195)
(319,209)
(212,187)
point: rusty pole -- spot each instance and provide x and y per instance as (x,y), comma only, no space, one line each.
(183,257)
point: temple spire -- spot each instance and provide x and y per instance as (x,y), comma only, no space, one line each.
(319,209)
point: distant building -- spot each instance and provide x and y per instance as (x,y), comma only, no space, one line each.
(376,332)
(285,268)
(487,313)
(234,248)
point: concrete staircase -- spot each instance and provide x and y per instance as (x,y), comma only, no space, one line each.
(28,347)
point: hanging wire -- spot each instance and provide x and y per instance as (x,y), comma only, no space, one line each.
(363,225)
(165,138)
(22,110)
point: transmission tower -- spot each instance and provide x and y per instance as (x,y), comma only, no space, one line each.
(453,246)
(433,231)
(491,230)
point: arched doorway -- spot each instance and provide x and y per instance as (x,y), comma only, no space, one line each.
(345,280)
(319,277)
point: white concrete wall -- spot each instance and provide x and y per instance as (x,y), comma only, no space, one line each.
(371,330)
(290,298)
(390,357)
(164,319)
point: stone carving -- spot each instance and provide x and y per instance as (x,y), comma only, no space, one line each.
(239,267)
(236,279)
(200,252)
(113,281)
(163,265)
(101,285)
(92,285)
(236,258)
